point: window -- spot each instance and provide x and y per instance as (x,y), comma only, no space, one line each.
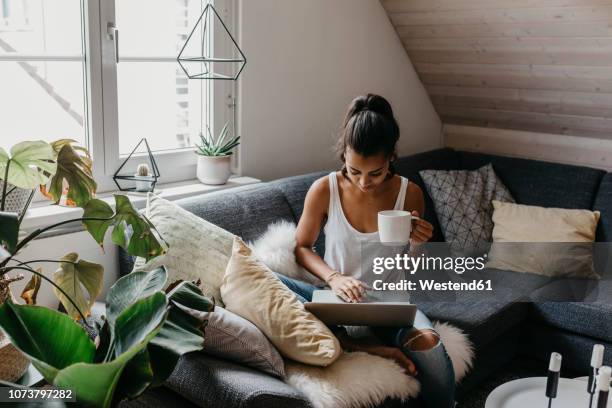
(104,72)
(150,82)
(42,71)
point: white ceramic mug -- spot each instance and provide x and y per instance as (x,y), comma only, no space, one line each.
(394,226)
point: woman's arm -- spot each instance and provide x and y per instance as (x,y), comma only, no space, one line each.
(308,229)
(309,226)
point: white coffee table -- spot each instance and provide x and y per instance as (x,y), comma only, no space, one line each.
(530,393)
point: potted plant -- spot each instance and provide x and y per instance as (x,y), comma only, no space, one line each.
(148,324)
(214,156)
(143,178)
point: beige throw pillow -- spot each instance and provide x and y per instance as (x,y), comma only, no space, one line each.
(553,242)
(197,249)
(251,290)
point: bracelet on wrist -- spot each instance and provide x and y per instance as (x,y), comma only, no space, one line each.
(332,276)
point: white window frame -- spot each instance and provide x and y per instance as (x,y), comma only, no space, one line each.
(101,103)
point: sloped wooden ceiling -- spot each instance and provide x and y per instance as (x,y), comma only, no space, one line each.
(537,65)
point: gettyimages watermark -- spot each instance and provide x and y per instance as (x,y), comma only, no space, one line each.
(517,272)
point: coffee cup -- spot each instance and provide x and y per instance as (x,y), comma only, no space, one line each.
(394,226)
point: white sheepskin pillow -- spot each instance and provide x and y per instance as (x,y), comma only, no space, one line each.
(276,249)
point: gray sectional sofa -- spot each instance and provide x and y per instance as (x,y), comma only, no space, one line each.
(501,331)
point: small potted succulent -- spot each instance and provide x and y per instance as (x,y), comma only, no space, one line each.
(214,156)
(143,178)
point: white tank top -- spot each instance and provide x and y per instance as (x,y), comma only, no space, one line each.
(343,242)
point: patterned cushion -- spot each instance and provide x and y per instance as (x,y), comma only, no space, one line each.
(233,338)
(462,200)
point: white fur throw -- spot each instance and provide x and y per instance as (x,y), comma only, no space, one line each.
(275,248)
(362,380)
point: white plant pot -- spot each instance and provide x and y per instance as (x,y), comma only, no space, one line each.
(143,183)
(214,169)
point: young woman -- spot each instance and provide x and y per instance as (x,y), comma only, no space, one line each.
(348,202)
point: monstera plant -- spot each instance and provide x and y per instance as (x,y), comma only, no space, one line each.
(146,327)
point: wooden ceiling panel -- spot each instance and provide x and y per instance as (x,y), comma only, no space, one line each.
(538,65)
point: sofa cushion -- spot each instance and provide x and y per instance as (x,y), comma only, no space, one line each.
(213,383)
(482,320)
(541,183)
(246,211)
(587,319)
(409,167)
(234,338)
(251,290)
(590,317)
(486,316)
(539,340)
(462,200)
(295,189)
(197,249)
(603,204)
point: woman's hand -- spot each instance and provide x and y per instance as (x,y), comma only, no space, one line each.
(347,288)
(422,231)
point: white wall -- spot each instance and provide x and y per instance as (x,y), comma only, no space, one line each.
(306,60)
(54,248)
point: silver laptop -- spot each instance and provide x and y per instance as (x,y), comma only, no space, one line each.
(377,309)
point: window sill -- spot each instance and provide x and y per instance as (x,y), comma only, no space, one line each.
(45,214)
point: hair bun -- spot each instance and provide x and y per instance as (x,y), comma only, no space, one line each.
(378,104)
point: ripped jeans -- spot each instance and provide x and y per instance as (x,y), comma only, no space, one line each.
(434,367)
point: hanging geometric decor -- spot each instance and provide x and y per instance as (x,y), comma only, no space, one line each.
(196,57)
(145,177)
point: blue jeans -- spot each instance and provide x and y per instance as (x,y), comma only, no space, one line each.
(434,367)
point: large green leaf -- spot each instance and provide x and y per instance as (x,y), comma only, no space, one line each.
(189,296)
(136,321)
(182,331)
(96,383)
(132,287)
(134,232)
(137,376)
(49,338)
(9,230)
(74,167)
(30,164)
(96,208)
(131,230)
(81,280)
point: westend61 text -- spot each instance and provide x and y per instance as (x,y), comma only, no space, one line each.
(405,285)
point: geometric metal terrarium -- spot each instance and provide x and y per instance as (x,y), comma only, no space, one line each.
(151,180)
(196,57)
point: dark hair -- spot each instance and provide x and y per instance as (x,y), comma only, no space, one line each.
(369,129)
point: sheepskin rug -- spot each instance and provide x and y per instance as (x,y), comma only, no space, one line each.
(364,380)
(355,379)
(276,247)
